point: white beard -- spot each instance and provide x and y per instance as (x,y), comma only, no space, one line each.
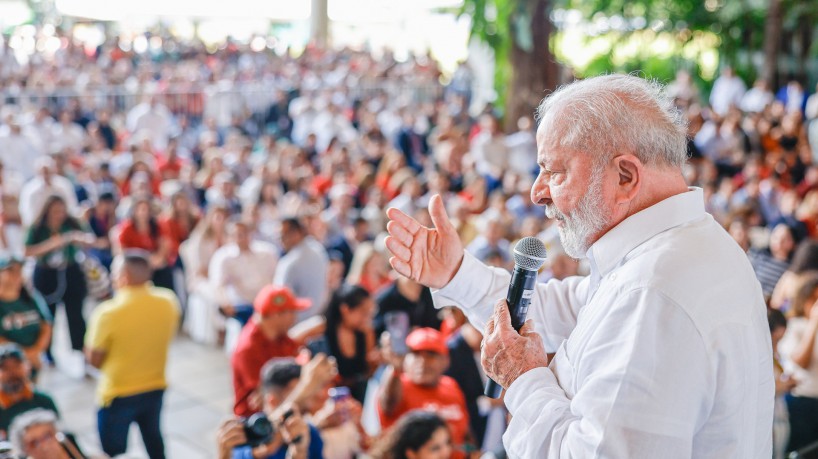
(585,221)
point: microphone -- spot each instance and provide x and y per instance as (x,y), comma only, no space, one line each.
(529,256)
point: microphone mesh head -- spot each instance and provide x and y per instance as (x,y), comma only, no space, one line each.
(529,253)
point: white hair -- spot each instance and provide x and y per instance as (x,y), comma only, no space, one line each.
(27,420)
(614,114)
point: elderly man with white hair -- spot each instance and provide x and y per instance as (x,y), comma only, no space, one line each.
(35,435)
(46,183)
(664,350)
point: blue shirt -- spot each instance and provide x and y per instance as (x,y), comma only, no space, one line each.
(316,449)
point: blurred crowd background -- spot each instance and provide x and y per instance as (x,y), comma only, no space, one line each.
(255,185)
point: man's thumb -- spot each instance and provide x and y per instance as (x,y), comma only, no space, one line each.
(439,217)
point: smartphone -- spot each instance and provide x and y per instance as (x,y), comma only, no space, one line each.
(319,346)
(339,396)
(397,324)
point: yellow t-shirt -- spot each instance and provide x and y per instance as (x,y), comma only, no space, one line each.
(135,329)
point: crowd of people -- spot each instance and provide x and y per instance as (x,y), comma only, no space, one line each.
(240,197)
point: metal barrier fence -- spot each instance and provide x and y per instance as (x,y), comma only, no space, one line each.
(198,101)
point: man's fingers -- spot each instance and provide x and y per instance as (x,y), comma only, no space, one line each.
(410,224)
(397,231)
(401,267)
(489,328)
(502,316)
(439,217)
(398,249)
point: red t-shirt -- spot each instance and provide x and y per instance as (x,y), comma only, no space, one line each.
(253,350)
(131,238)
(446,400)
(176,234)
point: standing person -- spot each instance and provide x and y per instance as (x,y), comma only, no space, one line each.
(54,240)
(799,349)
(132,362)
(642,344)
(24,317)
(784,383)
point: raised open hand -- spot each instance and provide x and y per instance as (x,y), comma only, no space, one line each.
(430,256)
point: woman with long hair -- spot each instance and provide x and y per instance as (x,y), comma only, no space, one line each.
(54,239)
(350,337)
(141,230)
(417,435)
(178,221)
(196,252)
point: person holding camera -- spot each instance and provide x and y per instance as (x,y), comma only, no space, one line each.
(280,431)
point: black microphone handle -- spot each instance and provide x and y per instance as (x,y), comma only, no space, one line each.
(519,295)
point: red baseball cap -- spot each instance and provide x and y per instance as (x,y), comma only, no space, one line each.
(274,298)
(427,339)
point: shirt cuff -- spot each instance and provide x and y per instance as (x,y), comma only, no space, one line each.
(468,287)
(518,395)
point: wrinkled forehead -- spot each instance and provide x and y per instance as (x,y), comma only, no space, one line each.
(550,142)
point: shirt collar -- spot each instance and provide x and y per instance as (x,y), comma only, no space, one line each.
(607,252)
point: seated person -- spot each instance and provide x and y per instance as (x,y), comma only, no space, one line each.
(24,316)
(17,393)
(34,435)
(285,395)
(416,381)
(239,269)
(263,338)
(417,435)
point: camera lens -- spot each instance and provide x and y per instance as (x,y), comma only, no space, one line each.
(258,429)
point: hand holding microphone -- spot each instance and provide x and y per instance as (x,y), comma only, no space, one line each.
(510,346)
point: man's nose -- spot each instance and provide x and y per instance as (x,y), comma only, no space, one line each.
(540,192)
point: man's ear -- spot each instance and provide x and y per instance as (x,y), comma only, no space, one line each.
(629,170)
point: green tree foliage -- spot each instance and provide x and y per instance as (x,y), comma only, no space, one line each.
(774,39)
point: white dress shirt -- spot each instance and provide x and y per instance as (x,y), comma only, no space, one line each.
(238,276)
(663,351)
(35,192)
(19,154)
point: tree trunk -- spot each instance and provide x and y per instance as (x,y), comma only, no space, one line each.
(534,70)
(772,43)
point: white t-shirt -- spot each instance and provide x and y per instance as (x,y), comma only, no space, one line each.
(807,378)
